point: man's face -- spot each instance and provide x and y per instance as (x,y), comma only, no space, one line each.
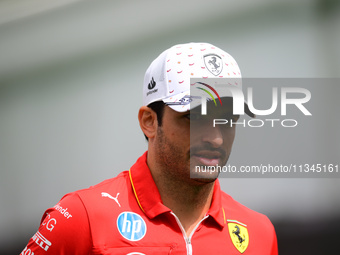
(187,140)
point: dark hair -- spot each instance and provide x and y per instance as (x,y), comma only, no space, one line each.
(158,108)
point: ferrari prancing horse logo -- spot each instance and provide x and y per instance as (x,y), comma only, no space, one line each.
(213,63)
(239,235)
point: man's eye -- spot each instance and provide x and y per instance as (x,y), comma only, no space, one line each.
(192,116)
(234,118)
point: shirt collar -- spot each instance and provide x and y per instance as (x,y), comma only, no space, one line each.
(149,199)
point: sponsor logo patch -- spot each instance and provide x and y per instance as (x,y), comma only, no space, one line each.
(49,223)
(239,235)
(152,84)
(27,252)
(214,64)
(40,240)
(131,226)
(104,194)
(63,211)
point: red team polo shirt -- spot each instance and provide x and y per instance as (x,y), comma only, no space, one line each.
(125,215)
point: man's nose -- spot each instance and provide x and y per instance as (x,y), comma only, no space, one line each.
(213,135)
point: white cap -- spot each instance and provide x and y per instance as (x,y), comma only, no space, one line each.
(168,76)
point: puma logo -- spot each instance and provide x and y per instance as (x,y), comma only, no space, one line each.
(104,194)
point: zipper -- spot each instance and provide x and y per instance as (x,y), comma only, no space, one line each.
(188,239)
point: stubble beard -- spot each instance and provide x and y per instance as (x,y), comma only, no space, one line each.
(173,160)
(177,165)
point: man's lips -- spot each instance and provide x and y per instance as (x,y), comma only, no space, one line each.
(208,161)
(207,157)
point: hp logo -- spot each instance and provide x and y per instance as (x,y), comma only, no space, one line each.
(131,226)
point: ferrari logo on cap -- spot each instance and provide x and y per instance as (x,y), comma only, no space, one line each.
(239,235)
(214,64)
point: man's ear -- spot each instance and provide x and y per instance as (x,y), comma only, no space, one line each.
(148,121)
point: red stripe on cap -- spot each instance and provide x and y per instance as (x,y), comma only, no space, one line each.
(218,96)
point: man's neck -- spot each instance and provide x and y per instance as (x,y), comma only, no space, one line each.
(190,202)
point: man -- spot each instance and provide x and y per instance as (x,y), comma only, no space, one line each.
(162,205)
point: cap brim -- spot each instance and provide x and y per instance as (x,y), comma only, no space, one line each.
(183,102)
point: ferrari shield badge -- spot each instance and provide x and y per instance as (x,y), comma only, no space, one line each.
(213,63)
(239,235)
